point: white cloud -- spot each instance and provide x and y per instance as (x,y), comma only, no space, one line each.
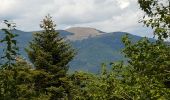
(6,5)
(106,15)
(123,3)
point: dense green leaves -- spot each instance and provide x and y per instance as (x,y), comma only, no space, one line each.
(142,78)
(157,16)
(148,57)
(149,63)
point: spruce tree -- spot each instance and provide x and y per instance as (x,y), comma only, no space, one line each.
(50,53)
(11,49)
(8,88)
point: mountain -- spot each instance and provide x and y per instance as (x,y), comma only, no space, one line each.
(94,51)
(93,46)
(81,33)
(25,37)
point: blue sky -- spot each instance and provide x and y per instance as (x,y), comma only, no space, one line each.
(105,15)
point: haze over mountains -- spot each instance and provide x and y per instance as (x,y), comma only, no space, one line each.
(93,46)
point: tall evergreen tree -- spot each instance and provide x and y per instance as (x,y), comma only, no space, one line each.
(51,53)
(48,51)
(11,49)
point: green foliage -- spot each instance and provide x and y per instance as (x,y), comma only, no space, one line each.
(48,51)
(105,86)
(123,82)
(50,54)
(19,82)
(16,83)
(144,76)
(149,63)
(157,16)
(11,50)
(151,58)
(15,75)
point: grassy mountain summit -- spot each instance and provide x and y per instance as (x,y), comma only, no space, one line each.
(93,49)
(83,33)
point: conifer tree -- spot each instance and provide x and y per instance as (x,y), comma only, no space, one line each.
(50,53)
(8,86)
(11,49)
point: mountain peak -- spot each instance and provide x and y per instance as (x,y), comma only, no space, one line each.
(83,32)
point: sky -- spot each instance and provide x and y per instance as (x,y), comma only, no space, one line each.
(104,15)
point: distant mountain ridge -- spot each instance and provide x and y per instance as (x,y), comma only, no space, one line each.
(93,49)
(81,33)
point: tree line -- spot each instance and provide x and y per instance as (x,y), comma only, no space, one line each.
(146,76)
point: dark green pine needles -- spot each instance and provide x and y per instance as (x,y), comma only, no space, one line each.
(48,51)
(11,49)
(51,54)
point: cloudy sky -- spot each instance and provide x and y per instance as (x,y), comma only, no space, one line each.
(105,15)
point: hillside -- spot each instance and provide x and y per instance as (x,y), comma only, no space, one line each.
(82,33)
(92,51)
